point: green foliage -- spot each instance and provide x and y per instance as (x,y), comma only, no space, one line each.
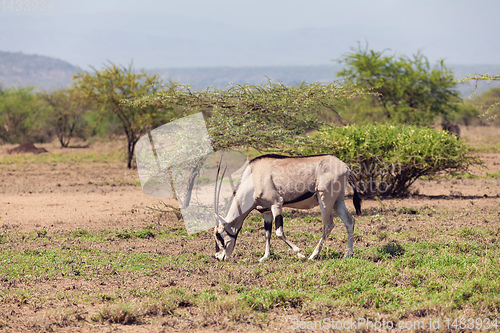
(409,90)
(66,114)
(482,77)
(387,159)
(19,111)
(264,117)
(270,116)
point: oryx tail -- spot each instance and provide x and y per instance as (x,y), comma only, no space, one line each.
(356,199)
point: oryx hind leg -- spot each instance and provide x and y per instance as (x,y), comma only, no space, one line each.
(268,226)
(348,220)
(278,222)
(325,201)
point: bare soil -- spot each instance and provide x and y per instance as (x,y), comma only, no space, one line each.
(101,195)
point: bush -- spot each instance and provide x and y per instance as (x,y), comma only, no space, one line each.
(19,113)
(388,159)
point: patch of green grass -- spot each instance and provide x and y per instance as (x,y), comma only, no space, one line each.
(486,148)
(494,175)
(33,264)
(465,232)
(263,299)
(466,175)
(41,233)
(76,157)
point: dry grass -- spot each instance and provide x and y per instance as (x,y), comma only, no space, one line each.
(433,255)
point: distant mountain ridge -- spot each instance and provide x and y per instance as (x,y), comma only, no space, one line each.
(18,70)
(47,73)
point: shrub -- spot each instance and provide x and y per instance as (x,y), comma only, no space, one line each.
(388,159)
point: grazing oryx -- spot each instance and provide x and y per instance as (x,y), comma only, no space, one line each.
(452,129)
(272,182)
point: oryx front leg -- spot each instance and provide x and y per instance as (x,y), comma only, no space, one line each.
(325,204)
(268,226)
(348,220)
(278,222)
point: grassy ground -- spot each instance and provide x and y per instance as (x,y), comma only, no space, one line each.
(423,262)
(410,265)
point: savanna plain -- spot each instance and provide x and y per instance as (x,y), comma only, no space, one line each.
(84,250)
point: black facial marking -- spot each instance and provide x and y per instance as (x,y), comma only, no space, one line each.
(219,237)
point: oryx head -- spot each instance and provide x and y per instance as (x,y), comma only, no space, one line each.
(225,236)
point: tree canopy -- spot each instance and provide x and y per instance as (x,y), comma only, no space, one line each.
(109,86)
(19,110)
(65,113)
(264,117)
(408,89)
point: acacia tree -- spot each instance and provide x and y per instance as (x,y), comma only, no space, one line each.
(409,90)
(66,113)
(266,117)
(113,84)
(269,117)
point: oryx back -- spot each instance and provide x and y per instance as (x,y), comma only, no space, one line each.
(295,180)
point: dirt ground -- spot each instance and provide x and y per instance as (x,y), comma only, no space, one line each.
(101,195)
(106,195)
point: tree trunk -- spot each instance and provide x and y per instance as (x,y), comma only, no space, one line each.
(130,151)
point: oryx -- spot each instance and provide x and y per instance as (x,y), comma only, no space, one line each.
(274,182)
(453,129)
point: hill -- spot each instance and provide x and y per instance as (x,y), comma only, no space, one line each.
(19,69)
(201,78)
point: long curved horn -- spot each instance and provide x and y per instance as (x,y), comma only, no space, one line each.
(217,192)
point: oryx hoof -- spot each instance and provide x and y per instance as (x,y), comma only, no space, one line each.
(313,257)
(348,254)
(300,255)
(264,258)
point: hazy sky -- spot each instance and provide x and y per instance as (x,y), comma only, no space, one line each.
(428,15)
(194,33)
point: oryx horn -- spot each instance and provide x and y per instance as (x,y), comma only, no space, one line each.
(217,193)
